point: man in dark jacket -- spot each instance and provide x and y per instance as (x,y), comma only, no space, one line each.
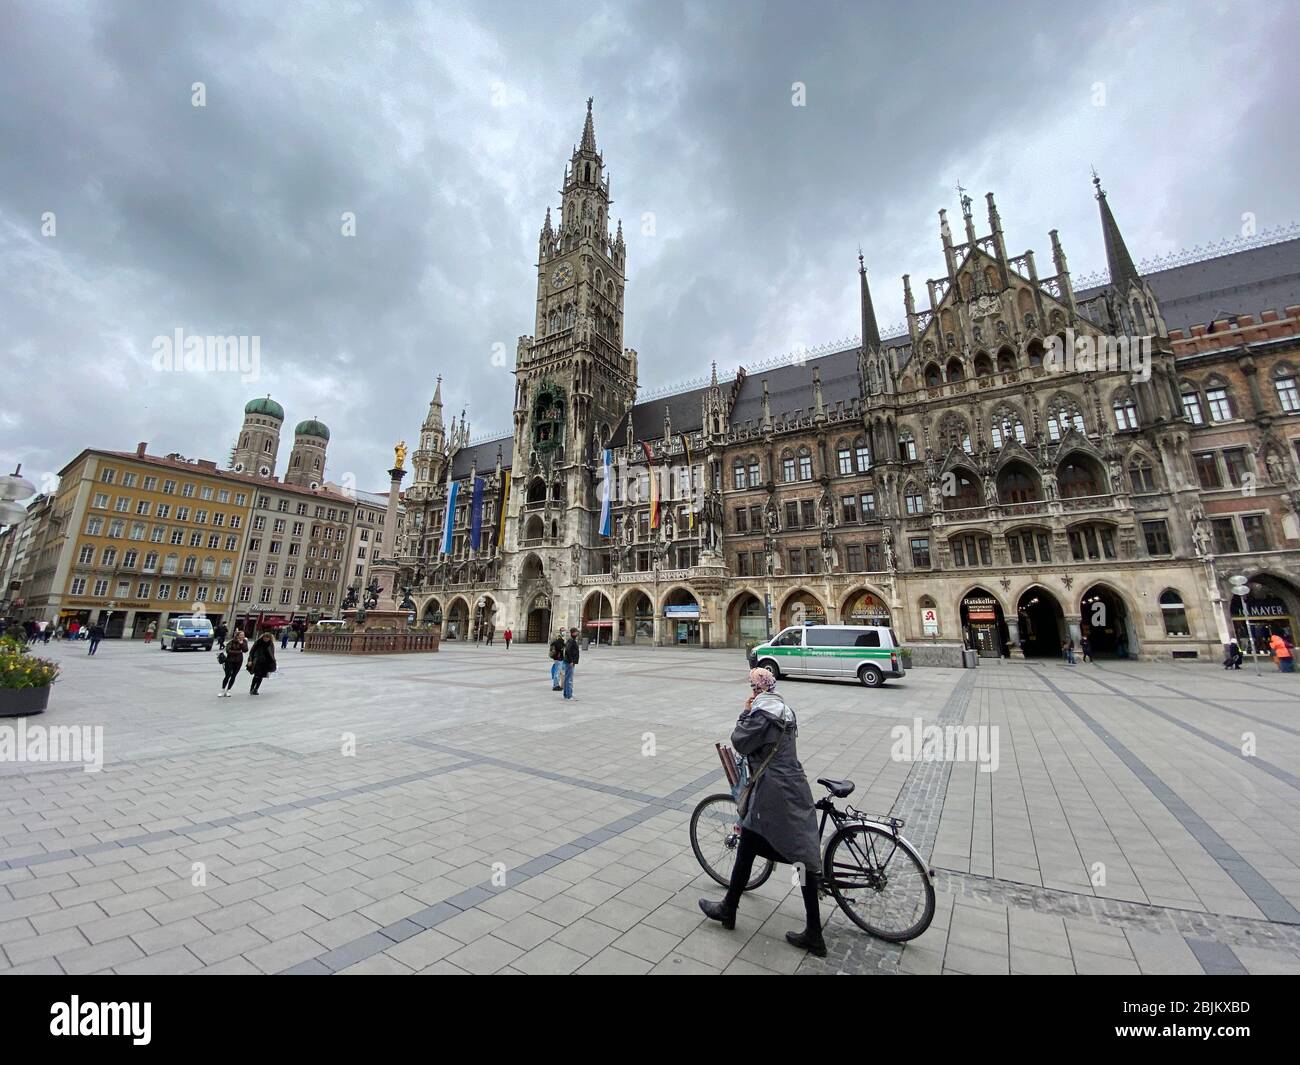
(557,661)
(96,634)
(570,662)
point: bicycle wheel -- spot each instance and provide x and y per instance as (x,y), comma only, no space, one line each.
(880,882)
(715,836)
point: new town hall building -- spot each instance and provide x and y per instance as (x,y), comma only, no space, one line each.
(959,482)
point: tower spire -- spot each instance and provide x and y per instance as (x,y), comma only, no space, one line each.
(1118,260)
(870,330)
(588,131)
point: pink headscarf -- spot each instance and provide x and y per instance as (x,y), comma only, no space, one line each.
(762,679)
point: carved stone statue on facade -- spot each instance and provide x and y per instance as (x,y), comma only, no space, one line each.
(770,520)
(990,492)
(887,549)
(1117,485)
(1201,532)
(936,497)
(1277,472)
(575,558)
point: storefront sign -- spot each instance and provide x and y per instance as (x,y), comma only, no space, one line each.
(691,611)
(868,609)
(930,621)
(980,609)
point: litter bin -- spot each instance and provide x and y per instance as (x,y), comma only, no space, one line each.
(969,658)
(586,643)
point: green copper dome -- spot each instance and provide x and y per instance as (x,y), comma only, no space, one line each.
(311,427)
(264,405)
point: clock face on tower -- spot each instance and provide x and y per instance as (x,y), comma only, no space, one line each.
(563,275)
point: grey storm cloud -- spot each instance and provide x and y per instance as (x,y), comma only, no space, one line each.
(444,131)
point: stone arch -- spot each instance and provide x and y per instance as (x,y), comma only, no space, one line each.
(531,569)
(933,375)
(1040,622)
(456,624)
(802,603)
(1108,620)
(746,618)
(536,491)
(1018,482)
(865,605)
(636,616)
(598,617)
(430,612)
(955,370)
(1079,474)
(983,621)
(983,364)
(680,608)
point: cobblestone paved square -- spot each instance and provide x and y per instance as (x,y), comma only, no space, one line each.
(320,860)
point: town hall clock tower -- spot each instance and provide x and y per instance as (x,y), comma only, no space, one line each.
(574,384)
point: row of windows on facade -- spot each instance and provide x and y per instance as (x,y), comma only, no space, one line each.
(109,475)
(1006,426)
(327,513)
(318,532)
(143,509)
(305,597)
(172,563)
(185,593)
(294,549)
(309,573)
(116,529)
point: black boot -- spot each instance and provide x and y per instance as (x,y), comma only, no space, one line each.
(719,911)
(810,940)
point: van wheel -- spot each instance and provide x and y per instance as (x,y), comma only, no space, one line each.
(871,677)
(771,666)
(174,647)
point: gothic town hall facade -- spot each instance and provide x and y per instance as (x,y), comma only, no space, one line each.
(962,482)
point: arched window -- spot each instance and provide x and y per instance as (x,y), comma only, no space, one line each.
(738,474)
(1126,415)
(907,447)
(954,434)
(1078,477)
(1018,484)
(1034,352)
(172,563)
(1192,406)
(956,372)
(1007,426)
(862,454)
(1288,394)
(1174,614)
(755,478)
(983,364)
(844,457)
(1218,401)
(805,464)
(971,549)
(965,489)
(933,376)
(913,499)
(1063,416)
(787,466)
(1141,474)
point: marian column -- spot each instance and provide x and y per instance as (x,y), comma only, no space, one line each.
(385,570)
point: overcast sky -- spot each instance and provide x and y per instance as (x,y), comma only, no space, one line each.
(444,130)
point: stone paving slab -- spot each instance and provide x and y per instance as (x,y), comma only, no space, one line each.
(447,814)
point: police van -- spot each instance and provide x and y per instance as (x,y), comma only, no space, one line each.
(187,632)
(869,653)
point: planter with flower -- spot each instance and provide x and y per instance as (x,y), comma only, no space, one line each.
(24,680)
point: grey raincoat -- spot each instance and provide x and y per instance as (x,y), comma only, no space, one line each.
(781,805)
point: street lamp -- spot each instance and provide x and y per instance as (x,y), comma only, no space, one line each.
(1240,588)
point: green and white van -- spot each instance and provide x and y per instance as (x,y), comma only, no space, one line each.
(869,653)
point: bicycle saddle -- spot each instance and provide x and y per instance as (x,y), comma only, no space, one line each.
(838,788)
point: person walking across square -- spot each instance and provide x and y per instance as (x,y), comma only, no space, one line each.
(557,661)
(570,662)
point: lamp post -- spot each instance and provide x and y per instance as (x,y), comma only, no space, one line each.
(1240,589)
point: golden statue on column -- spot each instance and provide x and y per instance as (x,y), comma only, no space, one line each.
(399,455)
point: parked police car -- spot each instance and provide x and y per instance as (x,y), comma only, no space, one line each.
(868,652)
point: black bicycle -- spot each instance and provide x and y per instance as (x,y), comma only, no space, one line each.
(874,874)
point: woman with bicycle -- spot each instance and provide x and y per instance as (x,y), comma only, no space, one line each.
(778,820)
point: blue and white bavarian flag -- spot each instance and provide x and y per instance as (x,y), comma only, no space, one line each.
(607,494)
(453,490)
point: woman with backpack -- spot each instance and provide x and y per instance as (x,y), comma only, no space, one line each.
(261,660)
(778,818)
(231,658)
